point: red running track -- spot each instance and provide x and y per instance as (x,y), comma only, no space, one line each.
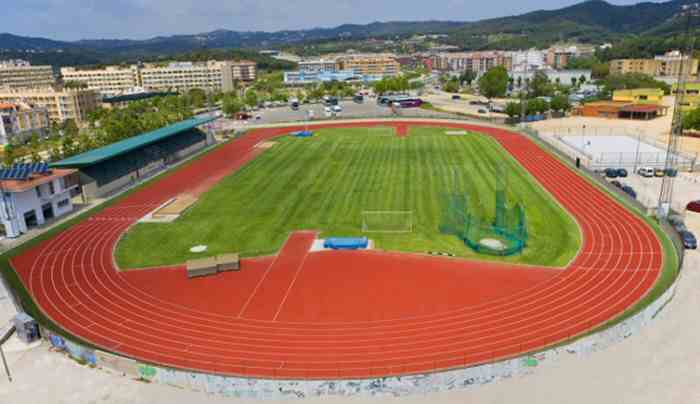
(337,315)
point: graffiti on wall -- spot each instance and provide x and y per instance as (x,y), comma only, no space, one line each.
(237,387)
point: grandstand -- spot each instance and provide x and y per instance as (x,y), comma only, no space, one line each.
(108,169)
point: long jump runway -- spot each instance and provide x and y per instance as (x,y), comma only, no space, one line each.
(332,315)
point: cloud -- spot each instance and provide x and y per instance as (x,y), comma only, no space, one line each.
(138,19)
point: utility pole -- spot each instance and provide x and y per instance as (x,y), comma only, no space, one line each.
(666,196)
(523,95)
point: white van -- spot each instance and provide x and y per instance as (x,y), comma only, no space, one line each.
(647,172)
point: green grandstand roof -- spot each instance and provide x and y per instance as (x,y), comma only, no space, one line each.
(115,149)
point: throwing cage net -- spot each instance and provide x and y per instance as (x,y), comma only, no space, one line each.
(385,221)
(505,233)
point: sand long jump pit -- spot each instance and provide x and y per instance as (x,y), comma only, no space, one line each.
(171,210)
(621,151)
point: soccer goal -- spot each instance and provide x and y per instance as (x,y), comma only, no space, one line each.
(387,221)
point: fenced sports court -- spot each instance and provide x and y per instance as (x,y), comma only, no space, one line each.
(604,147)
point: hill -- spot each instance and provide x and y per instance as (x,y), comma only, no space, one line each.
(591,21)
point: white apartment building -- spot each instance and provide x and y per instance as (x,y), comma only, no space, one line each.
(110,81)
(16,74)
(528,60)
(478,62)
(209,76)
(62,105)
(21,121)
(30,202)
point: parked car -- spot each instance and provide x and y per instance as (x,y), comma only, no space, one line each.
(611,173)
(646,172)
(689,240)
(358,99)
(629,191)
(622,173)
(616,184)
(337,108)
(456,97)
(482,111)
(659,172)
(694,206)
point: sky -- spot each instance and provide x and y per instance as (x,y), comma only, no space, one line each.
(140,19)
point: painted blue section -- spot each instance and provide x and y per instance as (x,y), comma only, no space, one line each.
(303,133)
(346,243)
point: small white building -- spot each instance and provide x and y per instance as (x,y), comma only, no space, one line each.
(32,194)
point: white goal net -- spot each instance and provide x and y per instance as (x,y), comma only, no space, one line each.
(387,221)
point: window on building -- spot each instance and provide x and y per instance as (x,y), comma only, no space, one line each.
(51,188)
(63,203)
(38,191)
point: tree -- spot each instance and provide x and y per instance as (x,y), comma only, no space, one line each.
(600,70)
(574,81)
(560,103)
(494,83)
(540,85)
(9,155)
(582,79)
(232,105)
(35,148)
(513,109)
(197,97)
(251,98)
(452,86)
(691,120)
(467,77)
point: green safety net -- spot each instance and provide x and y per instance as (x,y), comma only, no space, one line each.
(503,234)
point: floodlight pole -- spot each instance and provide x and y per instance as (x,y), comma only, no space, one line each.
(666,195)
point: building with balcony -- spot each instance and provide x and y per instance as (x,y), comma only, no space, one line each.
(369,65)
(18,74)
(110,81)
(21,121)
(211,76)
(61,105)
(477,62)
(663,66)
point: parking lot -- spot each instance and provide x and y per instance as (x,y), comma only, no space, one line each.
(350,109)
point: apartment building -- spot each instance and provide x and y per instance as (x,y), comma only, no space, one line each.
(478,62)
(17,74)
(61,104)
(666,65)
(110,81)
(558,56)
(209,76)
(318,65)
(21,121)
(181,76)
(528,60)
(369,65)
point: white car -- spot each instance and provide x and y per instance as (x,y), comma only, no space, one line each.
(337,108)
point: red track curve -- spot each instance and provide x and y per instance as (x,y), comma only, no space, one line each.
(144,315)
